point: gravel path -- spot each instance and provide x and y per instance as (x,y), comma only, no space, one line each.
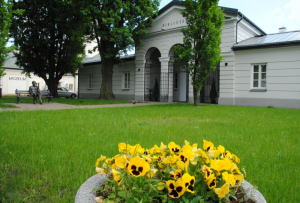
(57,106)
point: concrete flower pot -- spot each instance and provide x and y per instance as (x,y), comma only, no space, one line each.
(85,194)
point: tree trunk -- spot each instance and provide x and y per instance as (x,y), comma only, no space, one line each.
(106,91)
(195,96)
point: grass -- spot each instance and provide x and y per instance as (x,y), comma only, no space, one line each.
(47,155)
(62,100)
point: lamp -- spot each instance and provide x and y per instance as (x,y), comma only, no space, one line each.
(226,64)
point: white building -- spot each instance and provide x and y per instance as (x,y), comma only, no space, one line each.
(257,69)
(15,79)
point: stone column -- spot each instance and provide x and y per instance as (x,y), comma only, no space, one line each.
(166,92)
(139,80)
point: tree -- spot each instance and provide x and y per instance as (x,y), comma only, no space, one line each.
(50,37)
(201,43)
(118,25)
(5,22)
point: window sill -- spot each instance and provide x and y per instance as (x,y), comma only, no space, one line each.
(125,89)
(258,90)
(89,88)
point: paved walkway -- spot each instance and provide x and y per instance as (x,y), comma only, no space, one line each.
(57,106)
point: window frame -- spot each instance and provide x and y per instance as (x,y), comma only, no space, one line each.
(259,79)
(90,81)
(124,78)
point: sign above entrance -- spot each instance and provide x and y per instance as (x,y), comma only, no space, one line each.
(172,24)
(17,78)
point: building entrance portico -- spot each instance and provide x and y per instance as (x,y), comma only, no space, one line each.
(179,80)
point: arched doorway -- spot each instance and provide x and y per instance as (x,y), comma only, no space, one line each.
(211,86)
(179,78)
(152,75)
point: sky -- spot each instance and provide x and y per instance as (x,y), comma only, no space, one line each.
(268,15)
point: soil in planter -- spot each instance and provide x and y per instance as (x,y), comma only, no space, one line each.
(240,195)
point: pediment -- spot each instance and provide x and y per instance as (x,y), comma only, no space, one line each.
(170,19)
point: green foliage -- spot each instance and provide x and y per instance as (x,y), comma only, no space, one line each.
(201,43)
(2,72)
(5,16)
(118,26)
(49,35)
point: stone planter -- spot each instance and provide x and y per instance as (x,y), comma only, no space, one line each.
(85,194)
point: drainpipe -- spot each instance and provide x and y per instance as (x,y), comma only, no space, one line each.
(237,26)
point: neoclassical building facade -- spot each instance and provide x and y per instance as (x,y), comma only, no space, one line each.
(249,73)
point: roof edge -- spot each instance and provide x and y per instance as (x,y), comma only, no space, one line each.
(130,58)
(253,24)
(270,45)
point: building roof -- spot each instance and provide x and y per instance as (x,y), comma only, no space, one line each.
(271,40)
(10,62)
(129,57)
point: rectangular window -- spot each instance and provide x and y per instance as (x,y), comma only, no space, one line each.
(90,81)
(126,80)
(71,87)
(175,81)
(259,76)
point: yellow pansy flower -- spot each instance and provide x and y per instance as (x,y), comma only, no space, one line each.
(102,171)
(138,167)
(160,186)
(207,172)
(163,148)
(234,169)
(203,155)
(207,145)
(116,176)
(220,165)
(177,174)
(194,160)
(122,162)
(156,149)
(151,173)
(137,149)
(185,158)
(174,148)
(189,182)
(227,154)
(171,160)
(176,189)
(180,165)
(147,158)
(124,148)
(221,192)
(238,179)
(212,181)
(213,152)
(229,178)
(235,158)
(111,163)
(99,160)
(221,149)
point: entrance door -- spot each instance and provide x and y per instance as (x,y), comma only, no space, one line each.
(211,87)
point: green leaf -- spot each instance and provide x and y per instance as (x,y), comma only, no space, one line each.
(196,199)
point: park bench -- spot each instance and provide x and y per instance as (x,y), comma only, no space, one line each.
(43,93)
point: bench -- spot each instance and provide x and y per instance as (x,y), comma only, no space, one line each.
(43,93)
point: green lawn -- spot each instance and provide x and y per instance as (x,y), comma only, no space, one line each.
(47,155)
(62,100)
